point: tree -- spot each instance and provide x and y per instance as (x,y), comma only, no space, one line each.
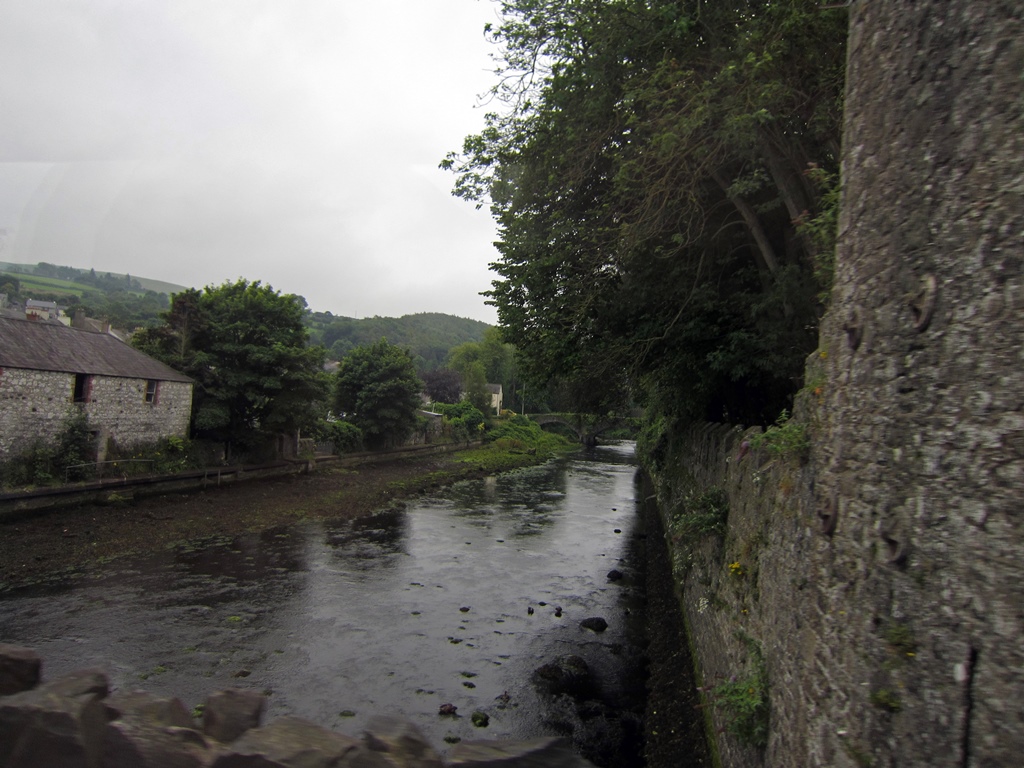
(648,179)
(443,385)
(474,383)
(378,390)
(246,347)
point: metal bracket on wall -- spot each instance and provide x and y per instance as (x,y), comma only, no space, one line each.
(828,516)
(896,540)
(922,303)
(854,327)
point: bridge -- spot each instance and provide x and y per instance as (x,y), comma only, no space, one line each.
(587,427)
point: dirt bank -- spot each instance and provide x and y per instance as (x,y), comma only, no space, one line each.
(72,539)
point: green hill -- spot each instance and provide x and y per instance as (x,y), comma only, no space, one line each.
(129,301)
(428,335)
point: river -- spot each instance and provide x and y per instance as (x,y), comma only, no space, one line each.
(457,598)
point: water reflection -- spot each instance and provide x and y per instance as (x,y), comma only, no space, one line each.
(456,599)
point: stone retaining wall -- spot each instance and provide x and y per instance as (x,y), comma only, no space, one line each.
(77,722)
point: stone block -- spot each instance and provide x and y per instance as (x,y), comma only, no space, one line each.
(143,744)
(537,753)
(57,724)
(19,669)
(288,742)
(230,713)
(145,707)
(400,741)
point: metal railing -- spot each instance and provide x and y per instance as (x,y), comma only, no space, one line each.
(99,464)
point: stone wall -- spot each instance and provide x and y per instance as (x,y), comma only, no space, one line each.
(35,404)
(78,722)
(878,576)
(32,404)
(118,406)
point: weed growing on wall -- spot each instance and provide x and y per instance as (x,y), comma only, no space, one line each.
(743,701)
(786,438)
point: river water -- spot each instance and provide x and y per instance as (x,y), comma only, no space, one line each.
(455,599)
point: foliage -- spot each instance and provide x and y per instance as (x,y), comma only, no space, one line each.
(702,514)
(52,462)
(518,433)
(162,457)
(886,699)
(787,437)
(429,336)
(462,421)
(492,360)
(120,299)
(474,384)
(646,167)
(744,702)
(901,640)
(823,228)
(443,385)
(378,390)
(246,348)
(346,437)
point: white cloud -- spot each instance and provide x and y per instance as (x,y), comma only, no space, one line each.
(293,142)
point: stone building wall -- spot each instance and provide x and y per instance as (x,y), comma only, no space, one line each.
(878,576)
(35,404)
(118,406)
(32,404)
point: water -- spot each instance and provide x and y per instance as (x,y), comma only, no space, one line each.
(338,621)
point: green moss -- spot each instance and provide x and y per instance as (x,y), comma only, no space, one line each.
(887,699)
(901,640)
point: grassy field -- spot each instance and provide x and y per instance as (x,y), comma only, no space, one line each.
(51,285)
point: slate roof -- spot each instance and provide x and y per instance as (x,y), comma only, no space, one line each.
(55,347)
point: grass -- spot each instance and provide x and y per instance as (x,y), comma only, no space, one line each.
(785,438)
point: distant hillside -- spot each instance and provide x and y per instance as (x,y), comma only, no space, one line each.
(71,273)
(428,335)
(130,301)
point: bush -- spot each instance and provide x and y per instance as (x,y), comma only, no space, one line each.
(161,457)
(520,434)
(462,421)
(346,436)
(57,461)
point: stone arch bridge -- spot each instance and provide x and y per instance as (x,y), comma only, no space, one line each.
(585,426)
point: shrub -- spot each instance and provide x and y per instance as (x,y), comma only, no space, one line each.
(786,437)
(57,461)
(346,436)
(744,702)
(462,421)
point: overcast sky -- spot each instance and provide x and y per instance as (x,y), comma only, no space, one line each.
(290,141)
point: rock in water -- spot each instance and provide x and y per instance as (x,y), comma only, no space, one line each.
(595,623)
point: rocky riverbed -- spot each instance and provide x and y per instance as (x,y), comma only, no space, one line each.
(61,545)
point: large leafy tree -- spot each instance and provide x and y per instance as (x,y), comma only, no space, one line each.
(648,172)
(377,389)
(245,345)
(443,385)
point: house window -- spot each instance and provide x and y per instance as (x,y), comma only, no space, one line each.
(151,390)
(81,393)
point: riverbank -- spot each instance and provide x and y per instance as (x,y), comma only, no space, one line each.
(65,543)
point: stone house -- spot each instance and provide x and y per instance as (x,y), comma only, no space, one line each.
(48,370)
(497,397)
